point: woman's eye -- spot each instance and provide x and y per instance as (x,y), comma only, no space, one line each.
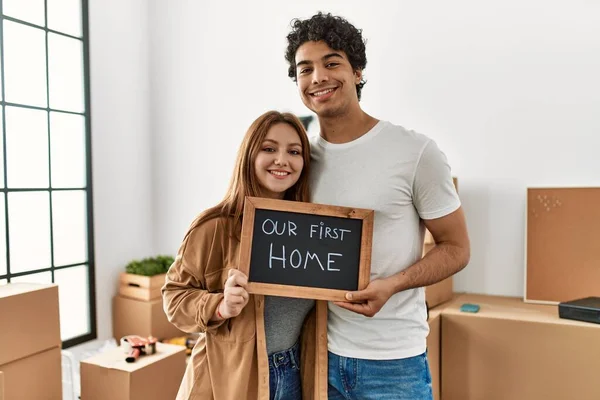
(268,149)
(295,152)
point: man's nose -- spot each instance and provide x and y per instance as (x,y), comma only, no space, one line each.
(320,75)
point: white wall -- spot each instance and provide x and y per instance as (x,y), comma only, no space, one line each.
(509,89)
(122,179)
(510,92)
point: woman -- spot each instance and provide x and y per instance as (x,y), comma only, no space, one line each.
(253,347)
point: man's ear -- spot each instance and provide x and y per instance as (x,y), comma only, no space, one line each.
(357,76)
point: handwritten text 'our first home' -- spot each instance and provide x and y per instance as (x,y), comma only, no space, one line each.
(296,258)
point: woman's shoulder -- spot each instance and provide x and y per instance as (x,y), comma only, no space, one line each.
(211,225)
(205,234)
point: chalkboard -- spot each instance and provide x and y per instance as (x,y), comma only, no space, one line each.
(305,250)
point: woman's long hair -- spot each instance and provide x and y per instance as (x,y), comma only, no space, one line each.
(244,181)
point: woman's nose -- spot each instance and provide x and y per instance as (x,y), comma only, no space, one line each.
(281,159)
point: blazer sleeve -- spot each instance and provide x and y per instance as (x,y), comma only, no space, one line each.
(188,302)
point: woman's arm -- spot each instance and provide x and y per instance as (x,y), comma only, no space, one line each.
(189,302)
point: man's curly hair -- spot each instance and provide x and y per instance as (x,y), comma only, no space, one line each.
(337,32)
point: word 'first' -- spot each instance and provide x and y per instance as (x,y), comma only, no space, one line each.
(270,227)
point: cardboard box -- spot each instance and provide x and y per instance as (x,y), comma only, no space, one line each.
(34,377)
(141,287)
(428,238)
(433,350)
(139,293)
(1,385)
(151,377)
(29,320)
(143,318)
(517,351)
(440,292)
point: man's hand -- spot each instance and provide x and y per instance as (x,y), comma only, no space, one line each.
(370,300)
(236,296)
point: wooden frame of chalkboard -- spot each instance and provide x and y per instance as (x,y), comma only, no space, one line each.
(328,254)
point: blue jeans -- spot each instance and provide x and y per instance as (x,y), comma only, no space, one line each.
(358,379)
(284,374)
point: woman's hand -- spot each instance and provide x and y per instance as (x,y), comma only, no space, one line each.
(236,296)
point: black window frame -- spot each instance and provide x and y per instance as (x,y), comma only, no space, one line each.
(88,188)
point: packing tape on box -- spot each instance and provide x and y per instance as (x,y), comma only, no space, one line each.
(125,345)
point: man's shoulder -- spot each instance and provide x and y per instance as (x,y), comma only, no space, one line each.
(398,138)
(384,134)
(315,146)
(401,132)
(313,140)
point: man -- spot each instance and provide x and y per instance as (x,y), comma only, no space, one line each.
(377,340)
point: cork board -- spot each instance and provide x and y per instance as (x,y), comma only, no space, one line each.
(563,243)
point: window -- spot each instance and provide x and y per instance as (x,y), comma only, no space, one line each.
(46,227)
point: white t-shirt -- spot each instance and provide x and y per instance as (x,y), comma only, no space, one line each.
(404,177)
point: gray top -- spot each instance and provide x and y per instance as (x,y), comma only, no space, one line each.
(284,317)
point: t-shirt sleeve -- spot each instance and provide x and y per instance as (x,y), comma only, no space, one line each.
(434,194)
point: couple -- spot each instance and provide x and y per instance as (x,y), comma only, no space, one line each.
(374,345)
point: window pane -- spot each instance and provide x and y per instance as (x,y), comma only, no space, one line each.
(73,298)
(42,277)
(26,10)
(65,63)
(27,148)
(29,231)
(69,225)
(24,64)
(65,16)
(2,237)
(1,150)
(67,143)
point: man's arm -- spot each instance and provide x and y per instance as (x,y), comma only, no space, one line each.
(450,255)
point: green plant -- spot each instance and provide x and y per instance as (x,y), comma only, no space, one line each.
(150,266)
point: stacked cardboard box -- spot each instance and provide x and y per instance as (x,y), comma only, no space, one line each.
(518,351)
(30,343)
(138,309)
(141,287)
(1,385)
(150,377)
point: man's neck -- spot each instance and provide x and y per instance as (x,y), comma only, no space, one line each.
(346,128)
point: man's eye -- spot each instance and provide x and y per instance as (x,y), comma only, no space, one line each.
(305,70)
(332,65)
